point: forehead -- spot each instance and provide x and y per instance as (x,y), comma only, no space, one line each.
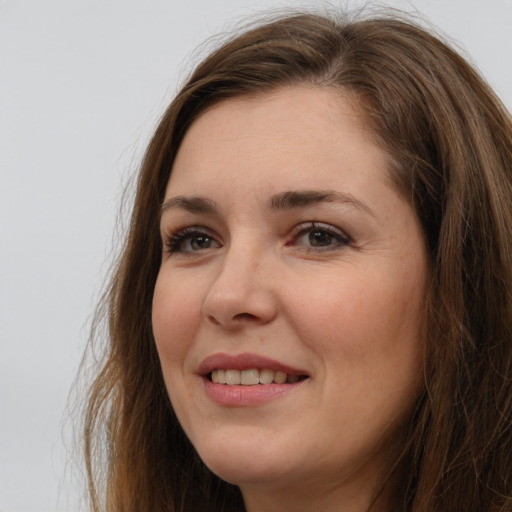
(308,135)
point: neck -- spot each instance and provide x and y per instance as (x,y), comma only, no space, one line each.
(351,495)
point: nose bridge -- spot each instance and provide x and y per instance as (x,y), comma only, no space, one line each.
(241,291)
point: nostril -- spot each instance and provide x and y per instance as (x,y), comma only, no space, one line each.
(244,316)
(213,320)
(239,317)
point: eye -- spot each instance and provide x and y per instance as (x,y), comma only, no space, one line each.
(191,240)
(319,236)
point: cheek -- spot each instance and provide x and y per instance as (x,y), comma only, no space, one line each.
(176,315)
(362,317)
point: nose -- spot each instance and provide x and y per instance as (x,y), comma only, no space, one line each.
(242,292)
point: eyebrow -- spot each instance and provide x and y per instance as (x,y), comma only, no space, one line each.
(193,204)
(303,198)
(288,200)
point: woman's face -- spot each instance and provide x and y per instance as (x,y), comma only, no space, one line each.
(288,305)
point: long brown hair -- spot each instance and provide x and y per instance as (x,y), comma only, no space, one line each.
(450,143)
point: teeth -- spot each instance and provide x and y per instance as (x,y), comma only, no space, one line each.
(266,377)
(233,377)
(249,377)
(252,377)
(280,377)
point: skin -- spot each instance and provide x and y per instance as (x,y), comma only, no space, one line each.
(344,307)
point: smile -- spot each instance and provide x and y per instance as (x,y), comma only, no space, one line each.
(247,380)
(252,377)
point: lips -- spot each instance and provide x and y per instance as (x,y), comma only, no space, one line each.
(245,363)
(248,379)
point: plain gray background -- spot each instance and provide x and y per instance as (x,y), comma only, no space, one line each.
(82,84)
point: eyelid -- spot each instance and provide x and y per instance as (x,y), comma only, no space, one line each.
(173,238)
(343,238)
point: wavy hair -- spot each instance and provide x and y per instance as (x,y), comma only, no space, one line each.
(450,144)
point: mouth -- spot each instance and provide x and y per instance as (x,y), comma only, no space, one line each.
(248,370)
(248,380)
(252,377)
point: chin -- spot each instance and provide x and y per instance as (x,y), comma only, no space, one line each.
(246,459)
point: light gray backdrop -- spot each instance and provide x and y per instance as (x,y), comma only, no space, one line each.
(82,84)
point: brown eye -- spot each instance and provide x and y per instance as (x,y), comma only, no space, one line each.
(200,242)
(191,240)
(319,236)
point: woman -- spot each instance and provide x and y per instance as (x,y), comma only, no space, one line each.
(313,306)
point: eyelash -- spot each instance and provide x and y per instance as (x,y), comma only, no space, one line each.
(310,227)
(174,242)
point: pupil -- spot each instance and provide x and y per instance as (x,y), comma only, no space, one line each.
(201,242)
(319,238)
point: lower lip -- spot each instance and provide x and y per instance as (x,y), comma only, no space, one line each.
(246,396)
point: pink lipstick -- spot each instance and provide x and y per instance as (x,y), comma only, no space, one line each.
(247,379)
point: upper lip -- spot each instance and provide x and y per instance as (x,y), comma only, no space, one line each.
(245,361)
